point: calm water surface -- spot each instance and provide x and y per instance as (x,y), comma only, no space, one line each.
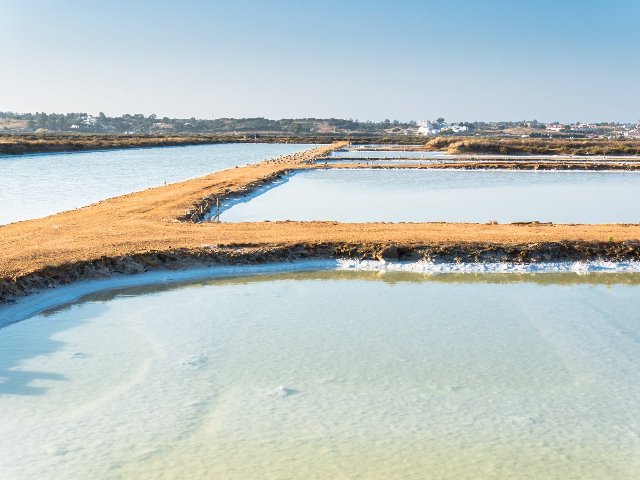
(34,186)
(329,375)
(382,154)
(447,195)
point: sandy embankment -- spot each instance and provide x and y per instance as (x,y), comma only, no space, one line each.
(484,164)
(153,229)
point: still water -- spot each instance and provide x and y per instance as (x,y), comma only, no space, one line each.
(34,186)
(330,374)
(394,195)
(389,154)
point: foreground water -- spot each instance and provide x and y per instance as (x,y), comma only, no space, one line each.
(394,195)
(33,186)
(330,375)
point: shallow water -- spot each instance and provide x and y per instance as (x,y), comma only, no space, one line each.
(382,154)
(392,161)
(395,195)
(329,375)
(34,186)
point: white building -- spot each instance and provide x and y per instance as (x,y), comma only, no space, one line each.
(428,127)
(632,133)
(555,127)
(89,120)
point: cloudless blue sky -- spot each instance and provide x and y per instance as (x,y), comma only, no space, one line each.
(464,60)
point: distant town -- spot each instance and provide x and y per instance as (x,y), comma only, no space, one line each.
(43,123)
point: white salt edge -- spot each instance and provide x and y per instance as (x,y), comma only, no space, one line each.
(427,267)
(34,304)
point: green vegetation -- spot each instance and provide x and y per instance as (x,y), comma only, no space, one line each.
(140,124)
(137,124)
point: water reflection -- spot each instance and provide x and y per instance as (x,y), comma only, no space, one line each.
(389,277)
(400,195)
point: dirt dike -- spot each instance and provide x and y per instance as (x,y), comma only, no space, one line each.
(104,267)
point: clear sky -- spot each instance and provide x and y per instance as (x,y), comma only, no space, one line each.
(566,60)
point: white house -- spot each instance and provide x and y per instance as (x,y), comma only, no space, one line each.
(89,120)
(429,127)
(555,127)
(632,133)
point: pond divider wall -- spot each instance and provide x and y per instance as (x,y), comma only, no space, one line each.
(104,267)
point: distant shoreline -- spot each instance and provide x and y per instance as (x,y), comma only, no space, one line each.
(21,144)
(28,144)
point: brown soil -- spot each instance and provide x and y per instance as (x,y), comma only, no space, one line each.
(22,144)
(152,229)
(58,142)
(494,165)
(537,146)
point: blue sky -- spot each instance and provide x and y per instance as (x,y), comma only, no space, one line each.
(463,60)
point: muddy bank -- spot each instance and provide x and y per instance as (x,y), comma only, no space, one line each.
(206,206)
(25,144)
(538,146)
(484,165)
(570,251)
(55,143)
(485,145)
(209,208)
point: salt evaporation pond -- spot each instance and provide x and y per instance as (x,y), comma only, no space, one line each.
(37,185)
(386,154)
(330,375)
(413,195)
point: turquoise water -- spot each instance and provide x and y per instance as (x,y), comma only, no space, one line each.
(34,186)
(394,195)
(331,374)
